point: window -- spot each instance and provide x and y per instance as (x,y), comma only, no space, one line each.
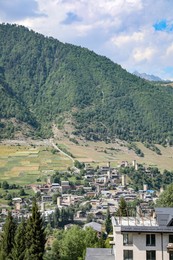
(170,238)
(151,255)
(128,255)
(127,239)
(150,240)
(171,256)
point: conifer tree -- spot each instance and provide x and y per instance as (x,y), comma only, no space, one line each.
(35,235)
(56,217)
(19,246)
(108,222)
(7,237)
(122,210)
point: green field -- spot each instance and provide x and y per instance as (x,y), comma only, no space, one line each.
(25,164)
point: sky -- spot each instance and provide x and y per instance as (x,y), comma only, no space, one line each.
(137,34)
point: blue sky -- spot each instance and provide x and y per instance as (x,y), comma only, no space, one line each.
(137,34)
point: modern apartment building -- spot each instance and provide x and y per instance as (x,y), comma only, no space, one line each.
(144,238)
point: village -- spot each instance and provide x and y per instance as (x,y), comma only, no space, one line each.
(102,190)
(118,203)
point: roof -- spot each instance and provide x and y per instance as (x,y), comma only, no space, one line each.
(96,226)
(163,222)
(134,221)
(164,216)
(16,199)
(99,254)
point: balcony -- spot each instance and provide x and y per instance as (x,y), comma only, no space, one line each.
(170,247)
(111,236)
(112,242)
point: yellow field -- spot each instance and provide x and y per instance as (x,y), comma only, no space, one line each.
(99,153)
(24,164)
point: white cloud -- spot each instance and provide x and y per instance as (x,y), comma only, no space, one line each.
(126,39)
(142,54)
(169,50)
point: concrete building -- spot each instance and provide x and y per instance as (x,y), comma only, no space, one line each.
(139,238)
(145,238)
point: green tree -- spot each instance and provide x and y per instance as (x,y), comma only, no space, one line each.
(165,199)
(19,245)
(56,217)
(22,192)
(108,222)
(5,185)
(7,237)
(122,209)
(91,238)
(73,245)
(35,235)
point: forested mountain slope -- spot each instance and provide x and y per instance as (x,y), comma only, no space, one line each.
(42,79)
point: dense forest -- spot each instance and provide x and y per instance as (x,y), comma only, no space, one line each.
(42,80)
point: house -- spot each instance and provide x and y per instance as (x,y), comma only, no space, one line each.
(65,186)
(55,187)
(96,226)
(99,215)
(149,238)
(80,214)
(47,198)
(139,238)
(90,194)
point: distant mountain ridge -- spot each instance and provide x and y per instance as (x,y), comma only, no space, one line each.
(147,76)
(45,82)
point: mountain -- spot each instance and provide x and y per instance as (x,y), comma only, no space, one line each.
(147,76)
(45,82)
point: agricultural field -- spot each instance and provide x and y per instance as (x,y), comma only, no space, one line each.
(25,164)
(99,153)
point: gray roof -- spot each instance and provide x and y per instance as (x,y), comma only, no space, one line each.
(96,226)
(99,254)
(147,229)
(164,216)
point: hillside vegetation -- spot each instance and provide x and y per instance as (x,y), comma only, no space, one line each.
(42,79)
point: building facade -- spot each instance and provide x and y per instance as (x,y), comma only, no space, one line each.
(144,238)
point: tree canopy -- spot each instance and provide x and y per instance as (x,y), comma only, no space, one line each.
(25,242)
(42,76)
(165,199)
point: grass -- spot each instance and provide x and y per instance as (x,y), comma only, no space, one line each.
(99,153)
(24,164)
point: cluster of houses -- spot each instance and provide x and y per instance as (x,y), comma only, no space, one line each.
(106,187)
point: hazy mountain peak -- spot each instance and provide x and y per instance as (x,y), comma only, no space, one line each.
(147,76)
